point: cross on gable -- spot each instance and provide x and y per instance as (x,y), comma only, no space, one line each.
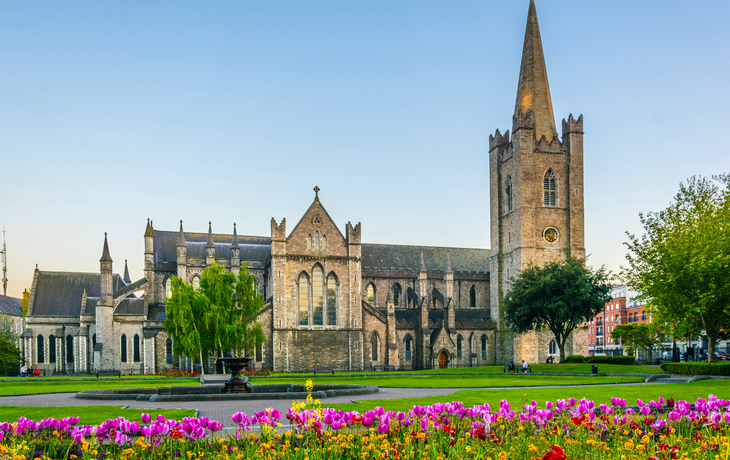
(316,192)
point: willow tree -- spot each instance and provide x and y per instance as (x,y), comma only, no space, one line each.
(185,323)
(681,265)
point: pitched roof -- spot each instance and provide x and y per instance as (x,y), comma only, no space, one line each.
(10,306)
(391,256)
(60,293)
(251,247)
(533,91)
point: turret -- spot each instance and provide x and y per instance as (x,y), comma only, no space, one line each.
(126,273)
(423,293)
(149,252)
(391,340)
(235,254)
(209,247)
(104,351)
(182,259)
(449,279)
(352,234)
(105,269)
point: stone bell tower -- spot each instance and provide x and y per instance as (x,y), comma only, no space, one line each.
(536,194)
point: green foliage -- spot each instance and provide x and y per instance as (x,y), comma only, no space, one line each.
(575,359)
(697,368)
(681,265)
(559,296)
(621,360)
(218,318)
(644,336)
(9,353)
(25,301)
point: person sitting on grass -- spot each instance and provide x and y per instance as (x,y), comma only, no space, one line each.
(524,366)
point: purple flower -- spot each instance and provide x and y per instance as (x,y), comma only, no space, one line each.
(382,429)
(215,425)
(146,418)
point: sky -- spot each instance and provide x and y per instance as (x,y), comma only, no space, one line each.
(115,112)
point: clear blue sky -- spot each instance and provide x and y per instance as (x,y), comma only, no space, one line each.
(112,112)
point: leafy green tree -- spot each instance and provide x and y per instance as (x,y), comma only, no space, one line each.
(185,323)
(25,301)
(644,336)
(559,296)
(681,265)
(9,353)
(7,328)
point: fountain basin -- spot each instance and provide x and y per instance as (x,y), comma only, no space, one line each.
(213,393)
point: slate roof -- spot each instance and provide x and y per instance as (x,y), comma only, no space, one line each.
(10,306)
(251,247)
(391,256)
(409,318)
(59,293)
(130,306)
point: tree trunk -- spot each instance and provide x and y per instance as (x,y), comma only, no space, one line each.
(561,347)
(202,365)
(711,348)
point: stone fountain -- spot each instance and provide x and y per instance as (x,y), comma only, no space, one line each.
(236,384)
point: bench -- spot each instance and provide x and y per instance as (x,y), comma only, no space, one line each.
(109,373)
(517,369)
(383,367)
(507,369)
(321,370)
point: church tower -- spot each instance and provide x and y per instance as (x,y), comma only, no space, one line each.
(536,191)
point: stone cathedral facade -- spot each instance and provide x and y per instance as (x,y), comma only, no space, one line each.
(332,300)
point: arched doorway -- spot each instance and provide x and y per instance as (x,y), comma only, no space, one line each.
(443,360)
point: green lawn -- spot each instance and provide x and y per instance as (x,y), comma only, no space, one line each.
(686,391)
(88,415)
(39,386)
(458,381)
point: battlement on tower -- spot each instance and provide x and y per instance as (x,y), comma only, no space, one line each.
(498,140)
(352,233)
(572,126)
(555,146)
(278,231)
(523,121)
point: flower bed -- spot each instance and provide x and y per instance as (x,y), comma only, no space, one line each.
(176,373)
(557,431)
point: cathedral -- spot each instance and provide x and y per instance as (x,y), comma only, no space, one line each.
(331,300)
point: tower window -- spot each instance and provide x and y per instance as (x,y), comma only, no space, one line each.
(396,295)
(473,297)
(508,192)
(196,282)
(550,188)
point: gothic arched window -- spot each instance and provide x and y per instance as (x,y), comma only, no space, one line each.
(303,299)
(553,348)
(168,287)
(324,242)
(473,297)
(396,295)
(196,282)
(459,347)
(69,349)
(317,294)
(371,294)
(136,348)
(41,349)
(332,300)
(316,242)
(409,346)
(124,348)
(309,242)
(484,347)
(374,343)
(52,349)
(168,351)
(508,193)
(550,188)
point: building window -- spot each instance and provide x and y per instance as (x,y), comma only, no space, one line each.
(52,349)
(473,297)
(41,349)
(374,343)
(408,348)
(550,188)
(396,295)
(553,348)
(309,243)
(459,347)
(484,347)
(69,349)
(124,348)
(168,351)
(196,282)
(643,315)
(324,242)
(168,287)
(332,300)
(259,352)
(136,348)
(508,192)
(316,242)
(371,294)
(317,294)
(303,299)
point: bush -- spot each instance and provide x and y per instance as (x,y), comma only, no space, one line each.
(177,373)
(624,360)
(697,368)
(575,359)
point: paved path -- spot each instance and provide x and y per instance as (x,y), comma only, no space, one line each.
(221,410)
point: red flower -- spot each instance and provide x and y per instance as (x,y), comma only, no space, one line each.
(479,434)
(555,454)
(670,402)
(448,429)
(576,420)
(177,434)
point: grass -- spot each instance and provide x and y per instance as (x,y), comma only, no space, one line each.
(39,386)
(458,381)
(686,391)
(88,415)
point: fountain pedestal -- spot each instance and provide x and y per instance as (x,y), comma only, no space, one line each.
(236,384)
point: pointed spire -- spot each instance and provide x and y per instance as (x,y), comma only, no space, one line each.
(423,263)
(448,264)
(126,278)
(148,230)
(234,245)
(105,257)
(533,91)
(181,236)
(210,244)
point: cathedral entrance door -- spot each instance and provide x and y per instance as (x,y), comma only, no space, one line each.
(443,360)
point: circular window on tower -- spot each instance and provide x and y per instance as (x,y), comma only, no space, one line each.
(551,234)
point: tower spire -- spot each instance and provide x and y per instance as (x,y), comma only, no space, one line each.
(533,91)
(105,257)
(234,245)
(181,236)
(210,244)
(126,278)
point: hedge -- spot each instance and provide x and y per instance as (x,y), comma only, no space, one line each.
(697,368)
(625,360)
(575,359)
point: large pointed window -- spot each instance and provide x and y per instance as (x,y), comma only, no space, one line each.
(124,348)
(52,349)
(371,294)
(69,349)
(409,346)
(168,287)
(459,347)
(41,349)
(396,296)
(550,188)
(473,297)
(316,242)
(136,348)
(484,347)
(168,351)
(303,299)
(332,300)
(317,295)
(374,345)
(508,193)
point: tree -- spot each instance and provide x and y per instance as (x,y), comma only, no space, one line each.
(681,265)
(218,318)
(9,353)
(25,301)
(7,328)
(644,336)
(559,296)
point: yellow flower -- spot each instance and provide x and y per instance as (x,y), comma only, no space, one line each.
(502,455)
(629,445)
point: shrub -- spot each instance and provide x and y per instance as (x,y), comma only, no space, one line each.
(178,373)
(697,368)
(624,360)
(575,359)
